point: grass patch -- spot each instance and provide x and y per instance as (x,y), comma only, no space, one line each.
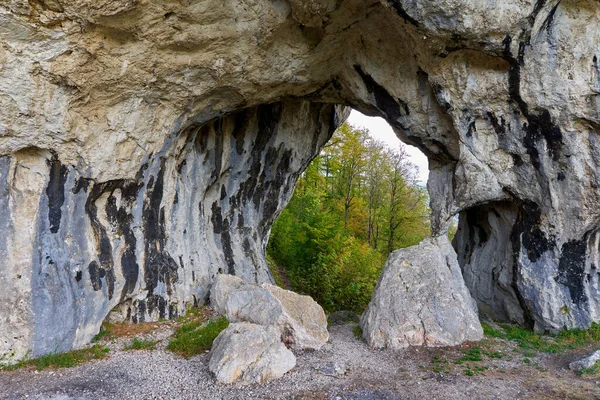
(532,342)
(495,354)
(440,365)
(491,332)
(61,360)
(141,344)
(358,332)
(472,354)
(194,338)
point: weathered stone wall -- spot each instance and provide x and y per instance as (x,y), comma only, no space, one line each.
(120,160)
(150,245)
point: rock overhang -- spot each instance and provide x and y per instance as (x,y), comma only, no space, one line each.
(134,136)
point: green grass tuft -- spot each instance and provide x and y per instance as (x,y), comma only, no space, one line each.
(105,332)
(473,354)
(141,344)
(61,360)
(358,332)
(491,332)
(194,338)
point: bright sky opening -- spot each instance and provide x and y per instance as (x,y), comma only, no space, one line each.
(381,130)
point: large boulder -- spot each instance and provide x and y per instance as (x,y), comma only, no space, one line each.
(300,319)
(421,299)
(249,353)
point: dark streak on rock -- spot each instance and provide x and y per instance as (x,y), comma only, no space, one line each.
(384,101)
(56,192)
(221,227)
(239,130)
(437,90)
(526,234)
(499,126)
(81,184)
(403,14)
(96,275)
(517,160)
(472,129)
(158,265)
(571,269)
(538,126)
(218,149)
(547,25)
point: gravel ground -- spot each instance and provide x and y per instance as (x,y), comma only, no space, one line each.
(370,374)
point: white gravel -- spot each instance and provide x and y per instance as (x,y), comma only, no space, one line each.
(158,374)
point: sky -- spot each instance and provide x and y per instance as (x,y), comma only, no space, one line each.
(381,130)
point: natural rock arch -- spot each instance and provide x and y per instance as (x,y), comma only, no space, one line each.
(147,145)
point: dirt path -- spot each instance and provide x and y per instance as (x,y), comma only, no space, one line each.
(419,373)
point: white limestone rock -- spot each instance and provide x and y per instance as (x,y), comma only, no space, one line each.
(421,299)
(586,362)
(249,353)
(301,321)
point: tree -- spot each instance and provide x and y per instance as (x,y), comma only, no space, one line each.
(356,202)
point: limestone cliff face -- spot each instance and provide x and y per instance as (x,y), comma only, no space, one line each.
(146,145)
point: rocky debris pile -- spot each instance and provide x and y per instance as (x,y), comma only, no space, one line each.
(300,320)
(249,353)
(421,299)
(586,362)
(265,319)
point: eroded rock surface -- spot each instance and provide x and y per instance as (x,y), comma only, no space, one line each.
(249,353)
(301,321)
(421,299)
(144,146)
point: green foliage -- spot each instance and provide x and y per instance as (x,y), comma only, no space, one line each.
(355,202)
(532,342)
(61,360)
(358,332)
(194,337)
(141,344)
